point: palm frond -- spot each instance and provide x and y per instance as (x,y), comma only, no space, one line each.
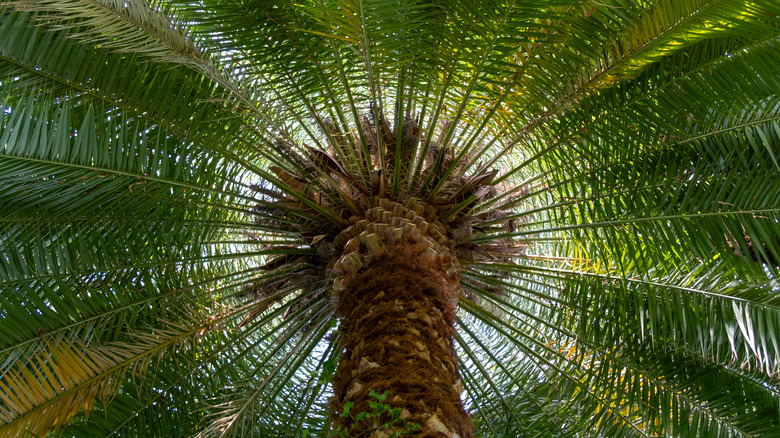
(44,389)
(185,184)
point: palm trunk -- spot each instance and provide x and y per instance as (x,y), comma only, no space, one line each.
(397,317)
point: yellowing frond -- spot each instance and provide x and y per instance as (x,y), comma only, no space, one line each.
(45,391)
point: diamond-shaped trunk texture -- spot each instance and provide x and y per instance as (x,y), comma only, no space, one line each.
(397,313)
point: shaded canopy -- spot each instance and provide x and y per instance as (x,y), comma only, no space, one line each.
(167,173)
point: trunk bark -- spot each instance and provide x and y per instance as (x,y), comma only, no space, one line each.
(397,316)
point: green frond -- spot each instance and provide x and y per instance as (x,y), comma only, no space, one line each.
(46,386)
(178,181)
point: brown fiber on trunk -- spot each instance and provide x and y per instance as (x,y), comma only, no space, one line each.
(397,318)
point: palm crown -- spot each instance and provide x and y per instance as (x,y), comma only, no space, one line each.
(195,194)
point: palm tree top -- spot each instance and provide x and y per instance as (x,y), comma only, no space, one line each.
(186,190)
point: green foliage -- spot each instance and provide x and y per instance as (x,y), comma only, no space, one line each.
(620,274)
(381,416)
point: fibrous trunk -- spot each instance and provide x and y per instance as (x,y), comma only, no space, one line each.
(389,227)
(397,316)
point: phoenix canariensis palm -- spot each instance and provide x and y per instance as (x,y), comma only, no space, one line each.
(390,218)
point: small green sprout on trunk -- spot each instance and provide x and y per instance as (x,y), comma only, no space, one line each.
(382,418)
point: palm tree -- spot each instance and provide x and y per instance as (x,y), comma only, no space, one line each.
(390,218)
